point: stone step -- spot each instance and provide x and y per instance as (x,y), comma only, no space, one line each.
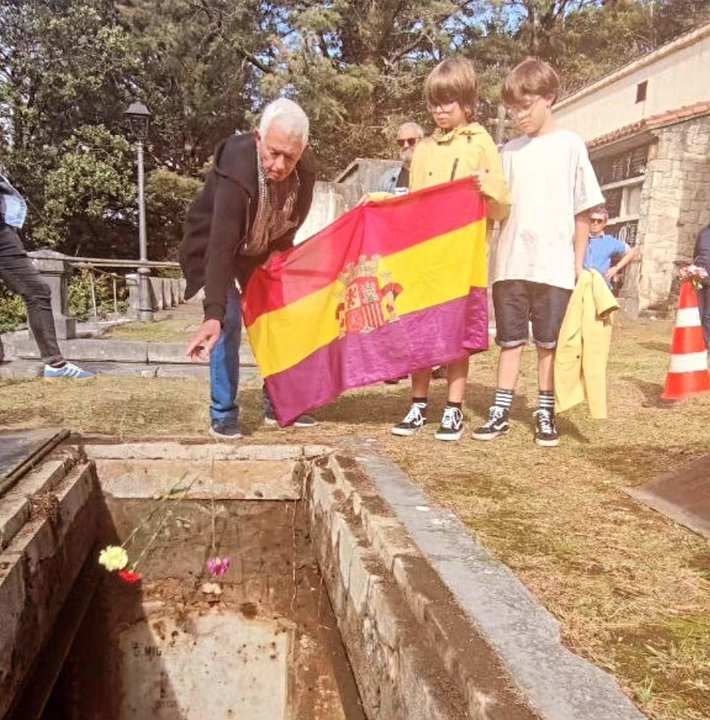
(20,345)
(27,369)
(39,567)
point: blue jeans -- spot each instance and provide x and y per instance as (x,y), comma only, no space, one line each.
(224,366)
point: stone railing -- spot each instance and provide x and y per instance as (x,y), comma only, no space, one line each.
(57,269)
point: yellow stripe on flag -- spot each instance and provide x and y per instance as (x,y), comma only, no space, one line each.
(430,273)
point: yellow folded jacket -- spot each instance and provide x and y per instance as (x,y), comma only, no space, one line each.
(583,346)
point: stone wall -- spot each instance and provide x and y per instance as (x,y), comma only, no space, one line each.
(675,206)
(414,654)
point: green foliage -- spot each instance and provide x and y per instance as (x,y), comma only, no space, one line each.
(80,300)
(89,193)
(13,312)
(69,68)
(168,196)
(199,68)
(65,65)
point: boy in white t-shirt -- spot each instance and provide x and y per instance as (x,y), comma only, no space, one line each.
(541,247)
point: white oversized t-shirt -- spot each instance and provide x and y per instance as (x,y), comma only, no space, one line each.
(551,180)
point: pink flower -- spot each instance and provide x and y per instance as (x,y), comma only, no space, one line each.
(695,274)
(217,566)
(129,577)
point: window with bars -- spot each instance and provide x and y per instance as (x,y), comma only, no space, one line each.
(621,178)
(623,166)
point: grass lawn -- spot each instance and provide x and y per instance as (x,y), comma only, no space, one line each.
(166,329)
(630,588)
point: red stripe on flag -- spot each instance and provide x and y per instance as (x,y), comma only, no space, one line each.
(688,340)
(382,228)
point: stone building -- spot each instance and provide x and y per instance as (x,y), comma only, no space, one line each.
(647,127)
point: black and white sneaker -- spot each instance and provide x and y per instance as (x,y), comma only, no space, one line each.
(413,422)
(496,426)
(451,427)
(225,430)
(546,433)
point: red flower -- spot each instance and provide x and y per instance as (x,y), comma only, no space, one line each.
(129,577)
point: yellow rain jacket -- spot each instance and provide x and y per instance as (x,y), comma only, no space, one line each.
(460,153)
(583,346)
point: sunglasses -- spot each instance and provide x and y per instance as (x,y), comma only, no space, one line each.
(406,142)
(596,220)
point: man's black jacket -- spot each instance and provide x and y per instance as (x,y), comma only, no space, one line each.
(219,220)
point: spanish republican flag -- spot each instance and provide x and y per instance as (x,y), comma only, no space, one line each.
(390,287)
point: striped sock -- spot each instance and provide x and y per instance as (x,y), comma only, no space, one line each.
(451,403)
(546,400)
(504,398)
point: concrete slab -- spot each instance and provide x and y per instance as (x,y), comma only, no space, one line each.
(682,495)
(166,666)
(556,683)
(20,450)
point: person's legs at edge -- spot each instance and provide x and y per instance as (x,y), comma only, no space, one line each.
(545,428)
(548,311)
(224,372)
(512,311)
(415,419)
(451,427)
(20,275)
(704,304)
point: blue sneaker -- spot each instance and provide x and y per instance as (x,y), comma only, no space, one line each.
(68,371)
(225,430)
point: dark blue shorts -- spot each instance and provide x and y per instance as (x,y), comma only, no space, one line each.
(519,302)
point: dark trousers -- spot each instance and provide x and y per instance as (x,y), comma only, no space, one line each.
(22,277)
(704,303)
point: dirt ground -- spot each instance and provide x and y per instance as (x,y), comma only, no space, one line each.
(630,587)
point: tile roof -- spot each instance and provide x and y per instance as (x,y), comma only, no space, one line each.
(670,117)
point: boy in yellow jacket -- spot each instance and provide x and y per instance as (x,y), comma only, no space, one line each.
(459,148)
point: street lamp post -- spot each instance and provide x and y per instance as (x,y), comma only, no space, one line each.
(138,117)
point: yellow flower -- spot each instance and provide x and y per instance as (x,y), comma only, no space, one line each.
(113,558)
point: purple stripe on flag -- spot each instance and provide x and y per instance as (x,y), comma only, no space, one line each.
(434,336)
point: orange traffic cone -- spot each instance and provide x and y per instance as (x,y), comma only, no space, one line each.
(688,369)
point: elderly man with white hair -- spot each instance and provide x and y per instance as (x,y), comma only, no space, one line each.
(256,196)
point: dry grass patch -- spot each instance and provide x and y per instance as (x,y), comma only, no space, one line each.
(631,588)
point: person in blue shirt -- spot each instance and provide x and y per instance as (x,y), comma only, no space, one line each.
(603,248)
(21,276)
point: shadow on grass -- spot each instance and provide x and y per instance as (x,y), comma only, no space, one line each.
(659,347)
(639,464)
(651,392)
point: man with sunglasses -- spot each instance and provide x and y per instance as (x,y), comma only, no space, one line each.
(396,180)
(603,248)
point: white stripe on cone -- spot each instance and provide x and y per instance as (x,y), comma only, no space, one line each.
(689,362)
(688,317)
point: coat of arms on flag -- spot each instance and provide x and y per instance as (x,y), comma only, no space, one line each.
(366,305)
(387,289)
